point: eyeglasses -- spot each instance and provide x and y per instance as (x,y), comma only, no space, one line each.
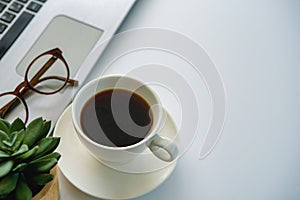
(47,74)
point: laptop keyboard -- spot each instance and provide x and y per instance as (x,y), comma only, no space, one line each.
(15,15)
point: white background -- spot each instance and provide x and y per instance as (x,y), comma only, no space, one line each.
(256,48)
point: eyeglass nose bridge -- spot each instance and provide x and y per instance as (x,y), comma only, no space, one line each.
(21,87)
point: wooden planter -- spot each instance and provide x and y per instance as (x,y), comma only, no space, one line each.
(50,191)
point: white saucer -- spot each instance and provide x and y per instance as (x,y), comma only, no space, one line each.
(98,180)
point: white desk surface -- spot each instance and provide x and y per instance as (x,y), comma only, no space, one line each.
(256,47)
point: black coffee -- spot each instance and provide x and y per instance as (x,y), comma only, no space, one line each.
(116,117)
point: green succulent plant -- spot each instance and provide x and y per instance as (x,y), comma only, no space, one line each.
(26,158)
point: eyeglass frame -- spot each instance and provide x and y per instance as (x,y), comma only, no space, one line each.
(26,85)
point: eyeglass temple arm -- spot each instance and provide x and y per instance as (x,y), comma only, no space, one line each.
(20,89)
(47,65)
(59,78)
(7,107)
(4,110)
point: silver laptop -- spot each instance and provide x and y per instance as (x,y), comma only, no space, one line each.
(31,27)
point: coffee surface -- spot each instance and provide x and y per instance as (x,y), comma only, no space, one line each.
(116,117)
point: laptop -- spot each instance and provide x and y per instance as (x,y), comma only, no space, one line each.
(31,27)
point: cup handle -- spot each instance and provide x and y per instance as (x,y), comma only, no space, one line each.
(163,148)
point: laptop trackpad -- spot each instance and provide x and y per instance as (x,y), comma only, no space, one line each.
(74,38)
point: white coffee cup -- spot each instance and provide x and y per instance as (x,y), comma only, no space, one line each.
(163,148)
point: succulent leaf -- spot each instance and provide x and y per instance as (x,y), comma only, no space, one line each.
(19,140)
(4,125)
(17,125)
(4,154)
(20,167)
(23,191)
(4,135)
(21,150)
(46,145)
(28,154)
(45,129)
(55,155)
(12,139)
(33,132)
(5,167)
(3,147)
(42,166)
(42,179)
(8,184)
